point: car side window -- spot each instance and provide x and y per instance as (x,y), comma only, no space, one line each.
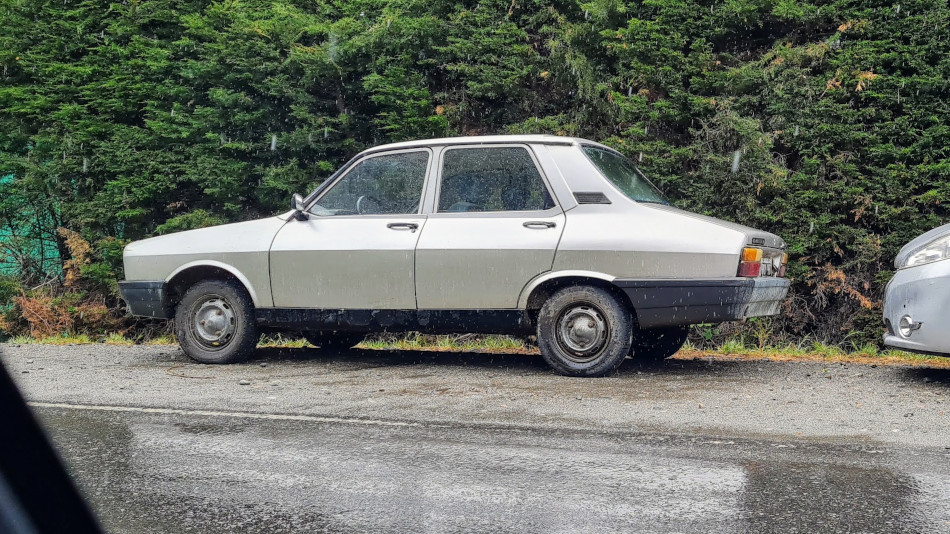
(389,184)
(491,179)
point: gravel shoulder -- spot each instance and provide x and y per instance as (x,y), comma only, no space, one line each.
(842,403)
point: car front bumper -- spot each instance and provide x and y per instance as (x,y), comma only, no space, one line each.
(922,294)
(146,298)
(684,302)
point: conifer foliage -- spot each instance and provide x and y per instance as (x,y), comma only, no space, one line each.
(825,122)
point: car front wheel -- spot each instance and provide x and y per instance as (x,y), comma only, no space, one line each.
(215,322)
(584,331)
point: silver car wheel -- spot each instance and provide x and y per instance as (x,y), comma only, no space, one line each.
(582,332)
(213,322)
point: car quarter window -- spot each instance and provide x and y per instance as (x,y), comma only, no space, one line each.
(388,184)
(480,179)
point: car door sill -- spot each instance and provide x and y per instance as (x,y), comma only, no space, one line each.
(426,321)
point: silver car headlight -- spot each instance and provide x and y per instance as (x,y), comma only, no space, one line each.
(936,250)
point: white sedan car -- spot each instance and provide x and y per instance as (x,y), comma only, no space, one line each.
(559,237)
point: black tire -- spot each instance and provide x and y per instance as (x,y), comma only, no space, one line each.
(335,341)
(592,348)
(658,344)
(221,305)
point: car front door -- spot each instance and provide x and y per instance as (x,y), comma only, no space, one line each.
(355,250)
(494,226)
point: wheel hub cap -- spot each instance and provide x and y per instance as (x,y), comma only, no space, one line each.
(214,322)
(582,330)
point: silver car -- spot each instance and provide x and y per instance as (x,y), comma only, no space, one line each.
(559,237)
(915,301)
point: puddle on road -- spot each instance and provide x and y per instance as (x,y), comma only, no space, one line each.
(792,497)
(187,473)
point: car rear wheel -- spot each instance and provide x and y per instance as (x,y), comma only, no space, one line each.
(657,344)
(215,322)
(584,331)
(333,340)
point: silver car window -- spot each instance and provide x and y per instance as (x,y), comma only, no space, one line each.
(491,179)
(389,184)
(625,175)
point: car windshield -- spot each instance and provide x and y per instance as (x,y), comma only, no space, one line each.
(625,175)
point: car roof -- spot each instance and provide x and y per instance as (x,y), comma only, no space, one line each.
(485,140)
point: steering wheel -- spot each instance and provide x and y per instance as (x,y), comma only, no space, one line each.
(359,203)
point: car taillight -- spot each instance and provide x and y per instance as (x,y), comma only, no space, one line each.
(781,270)
(750,264)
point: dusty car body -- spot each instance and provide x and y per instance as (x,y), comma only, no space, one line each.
(916,299)
(554,236)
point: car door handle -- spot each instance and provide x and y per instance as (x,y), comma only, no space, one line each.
(539,224)
(403,226)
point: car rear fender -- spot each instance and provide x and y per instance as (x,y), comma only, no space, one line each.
(549,276)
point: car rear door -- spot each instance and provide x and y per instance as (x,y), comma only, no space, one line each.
(494,226)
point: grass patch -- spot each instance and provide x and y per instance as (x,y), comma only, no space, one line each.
(733,346)
(117,339)
(282,341)
(445,343)
(164,339)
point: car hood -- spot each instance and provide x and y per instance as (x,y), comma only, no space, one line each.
(250,236)
(753,236)
(918,243)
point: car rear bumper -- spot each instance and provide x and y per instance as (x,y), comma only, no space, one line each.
(146,298)
(922,294)
(683,302)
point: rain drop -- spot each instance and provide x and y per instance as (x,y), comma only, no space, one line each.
(85,164)
(586,14)
(640,159)
(629,91)
(326,132)
(223,140)
(796,130)
(811,227)
(898,9)
(735,161)
(646,130)
(273,142)
(173,112)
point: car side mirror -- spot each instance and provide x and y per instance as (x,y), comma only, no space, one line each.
(297,204)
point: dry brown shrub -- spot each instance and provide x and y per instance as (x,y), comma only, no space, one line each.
(833,280)
(81,254)
(44,316)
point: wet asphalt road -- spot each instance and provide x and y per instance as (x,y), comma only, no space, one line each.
(411,442)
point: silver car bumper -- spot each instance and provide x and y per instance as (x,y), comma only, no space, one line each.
(922,294)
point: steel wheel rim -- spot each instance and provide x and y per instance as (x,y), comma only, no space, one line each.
(213,322)
(582,332)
